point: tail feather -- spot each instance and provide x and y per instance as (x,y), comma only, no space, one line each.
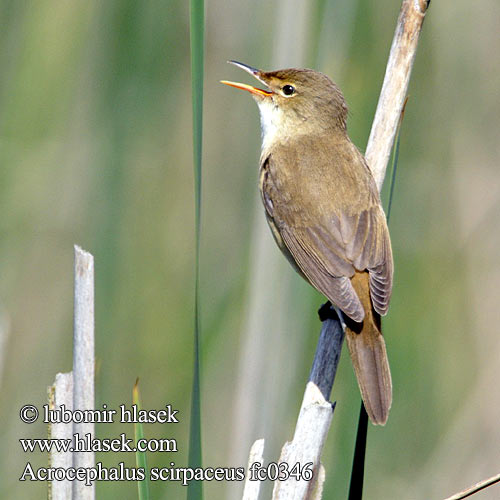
(369,357)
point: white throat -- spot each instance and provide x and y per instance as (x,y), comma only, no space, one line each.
(271,122)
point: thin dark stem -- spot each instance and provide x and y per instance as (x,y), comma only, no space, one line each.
(395,158)
(358,463)
(393,176)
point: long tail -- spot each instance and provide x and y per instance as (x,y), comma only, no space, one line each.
(369,357)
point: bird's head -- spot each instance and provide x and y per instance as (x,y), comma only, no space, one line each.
(295,101)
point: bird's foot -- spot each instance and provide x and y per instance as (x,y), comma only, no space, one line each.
(326,311)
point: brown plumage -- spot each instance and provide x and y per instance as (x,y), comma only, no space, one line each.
(324,211)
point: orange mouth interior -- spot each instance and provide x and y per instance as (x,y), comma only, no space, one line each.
(249,88)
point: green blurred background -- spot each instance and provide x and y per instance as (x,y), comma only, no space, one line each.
(95,149)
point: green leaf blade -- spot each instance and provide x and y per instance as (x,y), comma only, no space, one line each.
(140,456)
(197,34)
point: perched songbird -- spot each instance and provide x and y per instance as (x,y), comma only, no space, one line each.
(324,210)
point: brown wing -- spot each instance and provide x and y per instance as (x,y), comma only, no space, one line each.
(318,271)
(328,245)
(368,247)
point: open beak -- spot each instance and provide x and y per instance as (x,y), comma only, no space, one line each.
(255,73)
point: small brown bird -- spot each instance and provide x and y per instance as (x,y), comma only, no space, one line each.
(324,210)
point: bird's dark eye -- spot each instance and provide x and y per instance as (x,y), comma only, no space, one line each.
(288,89)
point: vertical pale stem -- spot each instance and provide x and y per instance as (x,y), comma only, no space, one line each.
(252,487)
(61,393)
(83,362)
(315,414)
(395,86)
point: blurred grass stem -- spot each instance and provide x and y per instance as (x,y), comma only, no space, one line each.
(269,293)
(197,34)
(140,456)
